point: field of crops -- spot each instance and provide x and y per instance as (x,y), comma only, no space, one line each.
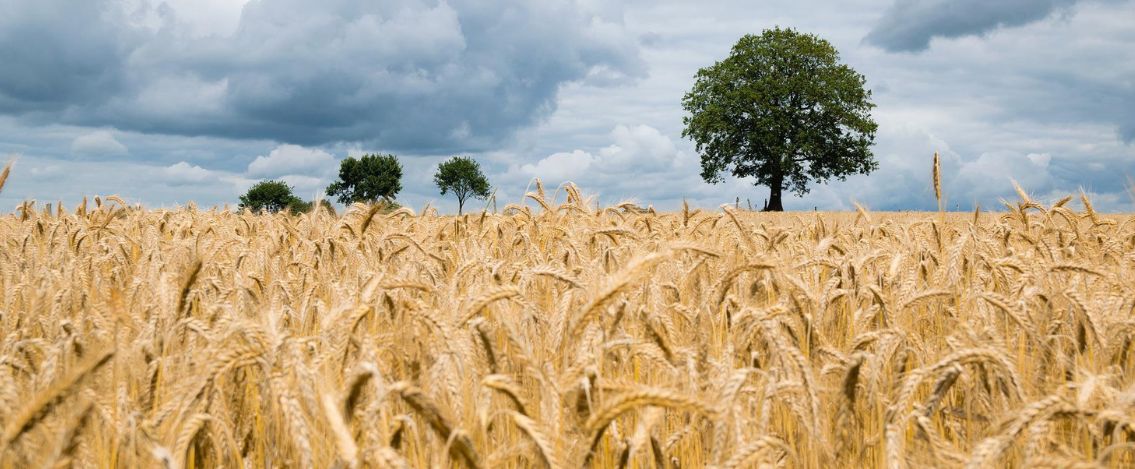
(559,335)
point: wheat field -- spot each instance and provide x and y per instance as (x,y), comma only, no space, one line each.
(558,335)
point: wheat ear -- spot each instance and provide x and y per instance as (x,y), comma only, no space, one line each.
(4,174)
(937,176)
(545,444)
(599,421)
(755,449)
(462,447)
(43,403)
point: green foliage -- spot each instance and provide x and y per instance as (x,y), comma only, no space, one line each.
(272,196)
(300,206)
(463,177)
(367,179)
(303,206)
(783,110)
(387,205)
(326,205)
(275,196)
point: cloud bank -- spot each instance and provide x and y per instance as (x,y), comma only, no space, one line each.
(407,75)
(99,143)
(909,25)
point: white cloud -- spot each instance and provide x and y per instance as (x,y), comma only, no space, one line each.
(292,159)
(304,186)
(640,163)
(98,143)
(40,178)
(640,149)
(206,17)
(1040,159)
(564,166)
(183,172)
(991,174)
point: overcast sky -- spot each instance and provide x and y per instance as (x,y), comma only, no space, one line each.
(169,101)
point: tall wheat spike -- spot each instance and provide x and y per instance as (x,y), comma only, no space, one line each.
(937,178)
(4,173)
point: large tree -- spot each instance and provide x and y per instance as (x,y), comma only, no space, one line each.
(463,177)
(367,179)
(783,110)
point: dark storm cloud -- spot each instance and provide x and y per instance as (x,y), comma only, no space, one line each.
(909,25)
(1127,132)
(402,74)
(58,54)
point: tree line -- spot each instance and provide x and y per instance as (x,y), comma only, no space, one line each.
(780,109)
(371,179)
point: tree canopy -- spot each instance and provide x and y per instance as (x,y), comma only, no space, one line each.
(272,196)
(783,110)
(463,177)
(367,179)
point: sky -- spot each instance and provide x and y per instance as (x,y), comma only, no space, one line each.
(164,102)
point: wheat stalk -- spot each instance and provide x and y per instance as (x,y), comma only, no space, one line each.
(4,173)
(937,179)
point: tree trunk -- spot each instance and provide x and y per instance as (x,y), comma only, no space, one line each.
(460,205)
(775,188)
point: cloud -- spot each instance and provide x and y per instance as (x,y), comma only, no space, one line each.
(909,25)
(62,53)
(1127,132)
(305,187)
(201,18)
(641,149)
(981,171)
(563,166)
(992,173)
(307,170)
(405,75)
(185,173)
(291,159)
(640,163)
(51,179)
(98,143)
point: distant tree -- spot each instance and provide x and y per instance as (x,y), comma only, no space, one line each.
(304,206)
(367,179)
(782,109)
(299,205)
(326,205)
(272,196)
(463,177)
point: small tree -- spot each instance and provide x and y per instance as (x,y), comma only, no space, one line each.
(272,196)
(463,177)
(367,179)
(304,206)
(782,109)
(323,204)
